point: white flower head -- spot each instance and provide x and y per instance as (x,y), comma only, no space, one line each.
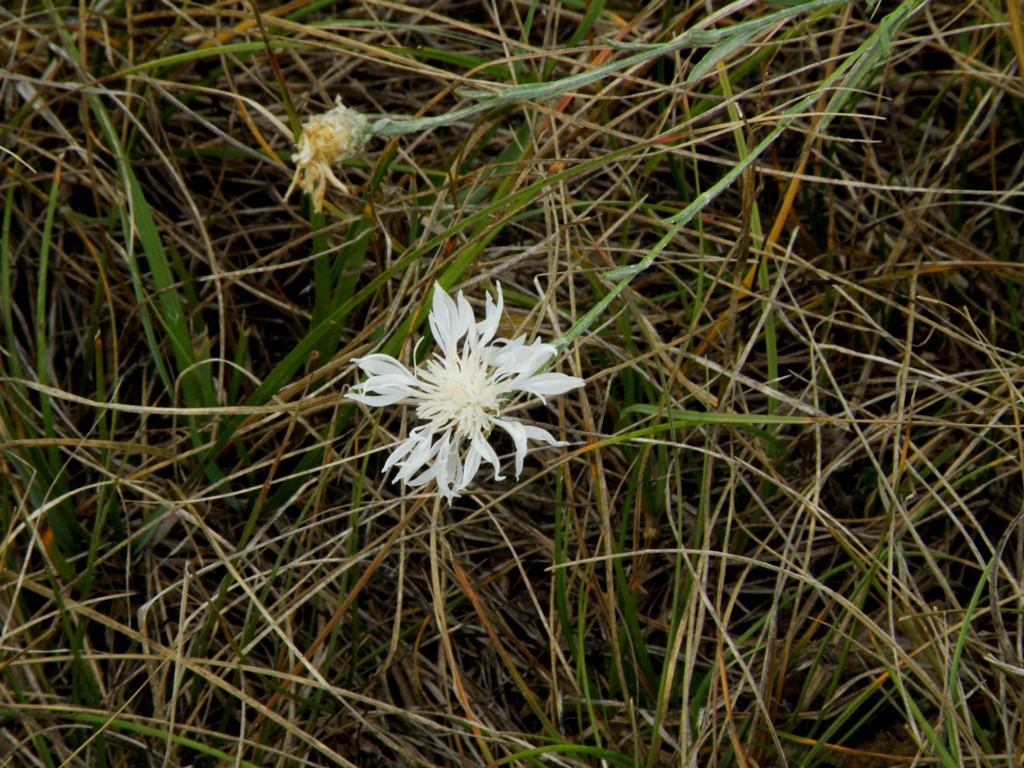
(326,141)
(459,395)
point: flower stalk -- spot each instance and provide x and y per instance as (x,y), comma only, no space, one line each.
(330,139)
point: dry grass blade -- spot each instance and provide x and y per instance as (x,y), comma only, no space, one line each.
(779,241)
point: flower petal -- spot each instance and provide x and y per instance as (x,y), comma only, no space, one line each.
(517,359)
(536,433)
(389,381)
(481,448)
(487,327)
(380,365)
(449,320)
(377,400)
(520,433)
(412,454)
(443,318)
(549,384)
(471,465)
(447,467)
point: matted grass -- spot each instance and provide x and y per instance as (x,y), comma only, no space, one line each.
(781,242)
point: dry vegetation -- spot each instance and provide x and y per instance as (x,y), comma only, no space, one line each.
(787,527)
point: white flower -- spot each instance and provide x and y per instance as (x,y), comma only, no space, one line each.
(327,140)
(459,395)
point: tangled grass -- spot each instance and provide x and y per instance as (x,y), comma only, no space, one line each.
(780,243)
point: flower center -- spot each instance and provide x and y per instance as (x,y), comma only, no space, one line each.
(459,393)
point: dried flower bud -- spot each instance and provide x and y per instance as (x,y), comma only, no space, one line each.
(326,141)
